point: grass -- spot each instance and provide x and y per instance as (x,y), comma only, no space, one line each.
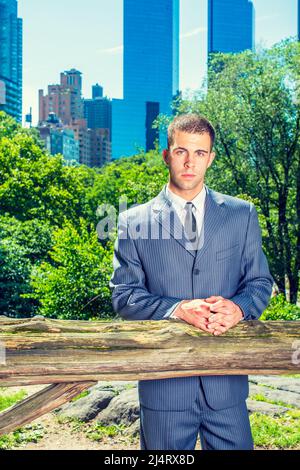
(97,432)
(259,397)
(8,400)
(28,433)
(80,395)
(94,431)
(295,376)
(276,433)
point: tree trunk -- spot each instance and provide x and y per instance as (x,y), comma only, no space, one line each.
(40,350)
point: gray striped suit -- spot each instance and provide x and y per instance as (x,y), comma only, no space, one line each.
(153,270)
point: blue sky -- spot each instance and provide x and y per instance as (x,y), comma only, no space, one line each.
(62,34)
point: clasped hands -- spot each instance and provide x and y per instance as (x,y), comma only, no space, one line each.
(213,315)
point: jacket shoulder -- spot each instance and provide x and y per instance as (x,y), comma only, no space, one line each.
(232,201)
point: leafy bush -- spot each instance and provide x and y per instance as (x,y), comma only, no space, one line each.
(74,284)
(280,309)
(22,245)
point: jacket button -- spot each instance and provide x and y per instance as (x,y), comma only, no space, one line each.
(196,271)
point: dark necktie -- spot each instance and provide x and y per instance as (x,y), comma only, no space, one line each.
(190,226)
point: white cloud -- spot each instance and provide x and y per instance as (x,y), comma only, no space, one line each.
(111,50)
(193,32)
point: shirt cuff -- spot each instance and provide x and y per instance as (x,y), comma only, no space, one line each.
(170,311)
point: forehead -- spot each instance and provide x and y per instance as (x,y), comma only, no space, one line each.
(185,139)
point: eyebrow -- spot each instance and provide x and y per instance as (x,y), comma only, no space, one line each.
(198,150)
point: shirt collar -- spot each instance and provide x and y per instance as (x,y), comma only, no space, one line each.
(198,200)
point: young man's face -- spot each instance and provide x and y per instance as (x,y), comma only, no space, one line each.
(188,159)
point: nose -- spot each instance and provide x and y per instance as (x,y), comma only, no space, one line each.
(189,160)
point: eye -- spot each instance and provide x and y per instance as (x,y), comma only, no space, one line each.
(200,153)
(180,152)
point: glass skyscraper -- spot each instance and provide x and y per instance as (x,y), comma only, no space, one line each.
(230,25)
(10,59)
(150,75)
(298,16)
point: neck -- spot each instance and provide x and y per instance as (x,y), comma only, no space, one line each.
(187,194)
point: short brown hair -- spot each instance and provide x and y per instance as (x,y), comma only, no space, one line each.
(191,123)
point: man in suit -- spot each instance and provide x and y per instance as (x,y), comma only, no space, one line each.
(194,254)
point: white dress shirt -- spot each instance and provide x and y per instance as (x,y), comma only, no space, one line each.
(179,203)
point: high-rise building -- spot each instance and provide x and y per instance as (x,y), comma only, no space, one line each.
(11,45)
(150,75)
(60,139)
(97,91)
(230,25)
(298,20)
(94,144)
(97,111)
(64,99)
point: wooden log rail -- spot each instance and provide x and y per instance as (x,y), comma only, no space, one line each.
(73,355)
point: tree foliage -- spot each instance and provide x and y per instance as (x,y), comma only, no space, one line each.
(252,98)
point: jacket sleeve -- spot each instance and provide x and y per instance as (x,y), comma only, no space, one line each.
(130,297)
(255,286)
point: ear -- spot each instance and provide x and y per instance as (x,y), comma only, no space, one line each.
(211,158)
(165,154)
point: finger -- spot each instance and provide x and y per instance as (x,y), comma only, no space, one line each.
(200,311)
(213,298)
(195,321)
(221,303)
(219,330)
(202,324)
(221,323)
(224,311)
(195,305)
(216,317)
(202,314)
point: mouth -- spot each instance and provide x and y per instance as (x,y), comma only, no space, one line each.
(188,176)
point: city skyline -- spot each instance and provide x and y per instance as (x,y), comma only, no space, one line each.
(97,48)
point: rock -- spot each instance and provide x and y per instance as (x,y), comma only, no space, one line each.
(283,383)
(123,409)
(87,407)
(289,398)
(265,408)
(134,429)
(117,386)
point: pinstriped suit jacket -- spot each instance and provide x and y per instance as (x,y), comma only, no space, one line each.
(154,268)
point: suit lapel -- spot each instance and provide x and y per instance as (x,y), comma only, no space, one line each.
(214,218)
(167,217)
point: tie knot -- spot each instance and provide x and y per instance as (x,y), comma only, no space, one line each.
(189,206)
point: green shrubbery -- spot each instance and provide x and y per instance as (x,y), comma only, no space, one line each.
(74,283)
(280,309)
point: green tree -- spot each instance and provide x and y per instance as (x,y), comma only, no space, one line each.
(252,99)
(34,185)
(22,245)
(74,284)
(138,179)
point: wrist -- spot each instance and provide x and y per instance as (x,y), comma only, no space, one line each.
(177,312)
(239,311)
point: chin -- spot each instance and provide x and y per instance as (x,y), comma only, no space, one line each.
(189,184)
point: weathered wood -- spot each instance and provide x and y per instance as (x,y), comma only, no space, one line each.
(41,350)
(40,403)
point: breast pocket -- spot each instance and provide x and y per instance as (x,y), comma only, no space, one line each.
(228,252)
